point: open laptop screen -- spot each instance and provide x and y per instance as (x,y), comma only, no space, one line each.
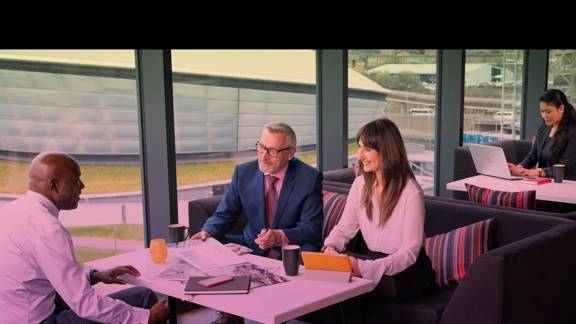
(491,161)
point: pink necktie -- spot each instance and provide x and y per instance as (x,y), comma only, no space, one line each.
(271,199)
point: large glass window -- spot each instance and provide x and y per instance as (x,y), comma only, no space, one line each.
(492,95)
(223,98)
(399,85)
(562,72)
(82,103)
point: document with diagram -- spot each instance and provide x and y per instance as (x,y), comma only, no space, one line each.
(208,254)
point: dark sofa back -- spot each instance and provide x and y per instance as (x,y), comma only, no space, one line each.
(201,209)
(340,175)
(338,187)
(528,281)
(444,215)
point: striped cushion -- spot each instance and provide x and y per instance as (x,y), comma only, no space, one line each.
(334,204)
(520,199)
(452,253)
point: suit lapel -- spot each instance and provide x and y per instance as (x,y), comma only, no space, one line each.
(543,141)
(287,186)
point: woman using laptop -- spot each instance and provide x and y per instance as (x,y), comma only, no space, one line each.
(555,141)
(387,205)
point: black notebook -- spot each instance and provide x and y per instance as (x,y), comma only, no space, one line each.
(240,285)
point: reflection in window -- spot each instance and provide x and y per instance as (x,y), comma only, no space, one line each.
(399,85)
(223,98)
(493,95)
(82,103)
(562,72)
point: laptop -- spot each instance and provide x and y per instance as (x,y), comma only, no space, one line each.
(491,161)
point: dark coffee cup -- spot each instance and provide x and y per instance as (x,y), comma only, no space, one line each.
(177,233)
(291,259)
(558,173)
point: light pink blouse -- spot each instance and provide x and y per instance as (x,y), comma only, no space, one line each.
(402,236)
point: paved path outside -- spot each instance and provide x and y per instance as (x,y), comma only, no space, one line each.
(104,211)
(107,244)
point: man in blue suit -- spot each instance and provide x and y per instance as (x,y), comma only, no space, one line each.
(280,196)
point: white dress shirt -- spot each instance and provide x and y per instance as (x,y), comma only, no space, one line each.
(401,237)
(37,260)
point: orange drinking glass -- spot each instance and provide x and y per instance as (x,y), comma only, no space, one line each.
(158,251)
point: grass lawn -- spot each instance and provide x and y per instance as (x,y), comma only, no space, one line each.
(352,149)
(84,255)
(133,232)
(116,178)
(121,178)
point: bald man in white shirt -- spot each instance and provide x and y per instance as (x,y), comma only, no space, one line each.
(39,269)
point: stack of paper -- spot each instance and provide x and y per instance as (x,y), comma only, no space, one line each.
(209,254)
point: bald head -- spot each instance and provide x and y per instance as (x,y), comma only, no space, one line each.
(56,176)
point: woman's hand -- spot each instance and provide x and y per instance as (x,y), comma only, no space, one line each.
(515,169)
(331,250)
(355,268)
(531,173)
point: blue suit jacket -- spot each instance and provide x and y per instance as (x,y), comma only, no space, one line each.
(298,213)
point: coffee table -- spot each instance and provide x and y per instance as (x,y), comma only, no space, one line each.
(269,304)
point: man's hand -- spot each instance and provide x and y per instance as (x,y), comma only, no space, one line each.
(159,312)
(267,239)
(110,276)
(355,267)
(202,235)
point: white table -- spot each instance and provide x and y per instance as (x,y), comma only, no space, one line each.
(564,192)
(270,304)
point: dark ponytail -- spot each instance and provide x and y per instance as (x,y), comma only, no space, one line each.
(557,98)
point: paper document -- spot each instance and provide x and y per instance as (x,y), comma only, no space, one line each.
(238,249)
(181,270)
(208,254)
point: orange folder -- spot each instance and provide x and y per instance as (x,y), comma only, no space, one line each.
(323,261)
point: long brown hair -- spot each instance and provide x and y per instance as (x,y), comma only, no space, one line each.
(383,136)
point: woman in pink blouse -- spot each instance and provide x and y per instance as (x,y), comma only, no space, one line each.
(386,204)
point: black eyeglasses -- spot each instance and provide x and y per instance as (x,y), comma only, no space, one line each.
(273,152)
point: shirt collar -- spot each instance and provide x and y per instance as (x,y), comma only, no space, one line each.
(32,195)
(280,174)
